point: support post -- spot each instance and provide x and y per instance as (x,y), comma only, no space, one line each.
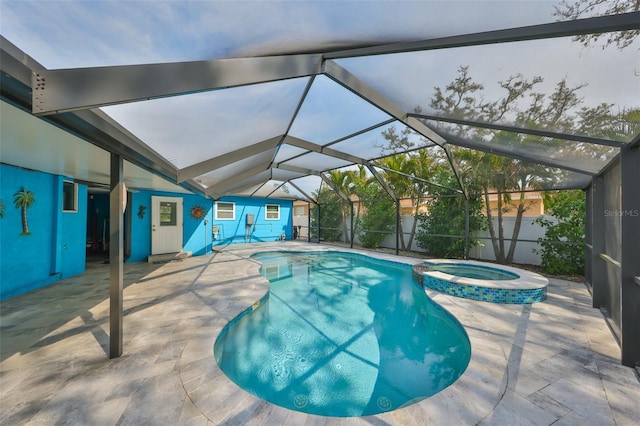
(595,214)
(318,222)
(116,255)
(630,267)
(351,216)
(308,222)
(398,226)
(466,229)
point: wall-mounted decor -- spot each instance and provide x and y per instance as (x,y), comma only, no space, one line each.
(24,200)
(197,212)
(141,210)
(1,209)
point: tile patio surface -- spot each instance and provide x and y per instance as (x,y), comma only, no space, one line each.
(554,362)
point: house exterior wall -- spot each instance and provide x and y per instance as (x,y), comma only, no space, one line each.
(194,230)
(59,240)
(56,247)
(236,231)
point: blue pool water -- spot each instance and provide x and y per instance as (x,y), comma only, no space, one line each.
(341,334)
(472,271)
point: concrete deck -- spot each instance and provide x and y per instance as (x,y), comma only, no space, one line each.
(554,362)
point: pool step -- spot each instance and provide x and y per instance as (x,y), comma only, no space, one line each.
(168,257)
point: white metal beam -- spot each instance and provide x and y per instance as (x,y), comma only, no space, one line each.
(505,152)
(309,198)
(368,93)
(382,182)
(337,190)
(260,180)
(56,91)
(206,166)
(310,146)
(523,130)
(295,169)
(236,179)
(601,24)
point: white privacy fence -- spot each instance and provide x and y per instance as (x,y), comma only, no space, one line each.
(525,246)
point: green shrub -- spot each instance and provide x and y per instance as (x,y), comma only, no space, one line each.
(330,216)
(568,207)
(378,218)
(446,215)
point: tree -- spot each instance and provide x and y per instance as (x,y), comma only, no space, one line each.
(423,166)
(497,174)
(342,180)
(418,163)
(401,184)
(442,229)
(378,217)
(562,248)
(330,216)
(589,8)
(24,200)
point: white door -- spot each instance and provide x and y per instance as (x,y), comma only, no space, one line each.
(166,225)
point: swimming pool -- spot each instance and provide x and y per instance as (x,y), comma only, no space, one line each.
(341,334)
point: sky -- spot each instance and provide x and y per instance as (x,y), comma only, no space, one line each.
(75,33)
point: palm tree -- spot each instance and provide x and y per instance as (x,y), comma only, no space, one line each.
(359,179)
(401,184)
(341,179)
(24,199)
(422,166)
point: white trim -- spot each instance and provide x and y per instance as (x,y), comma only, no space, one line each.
(267,212)
(233,210)
(75,197)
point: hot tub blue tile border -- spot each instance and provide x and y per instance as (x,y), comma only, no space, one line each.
(483,294)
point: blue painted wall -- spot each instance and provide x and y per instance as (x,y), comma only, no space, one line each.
(193,238)
(55,249)
(235,231)
(57,246)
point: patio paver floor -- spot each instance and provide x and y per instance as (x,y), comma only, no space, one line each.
(554,362)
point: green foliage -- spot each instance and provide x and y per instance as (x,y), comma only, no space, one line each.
(330,216)
(579,9)
(379,215)
(568,207)
(447,216)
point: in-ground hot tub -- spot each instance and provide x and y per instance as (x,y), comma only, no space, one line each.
(481,281)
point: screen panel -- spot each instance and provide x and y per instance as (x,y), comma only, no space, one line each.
(187,129)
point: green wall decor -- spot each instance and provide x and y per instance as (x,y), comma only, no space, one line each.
(24,199)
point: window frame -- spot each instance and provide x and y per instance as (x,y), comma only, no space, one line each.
(74,197)
(266,212)
(218,211)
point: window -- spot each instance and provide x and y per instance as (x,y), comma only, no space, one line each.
(69,196)
(300,211)
(272,212)
(225,211)
(168,213)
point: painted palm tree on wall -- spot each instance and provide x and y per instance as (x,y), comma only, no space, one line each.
(24,199)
